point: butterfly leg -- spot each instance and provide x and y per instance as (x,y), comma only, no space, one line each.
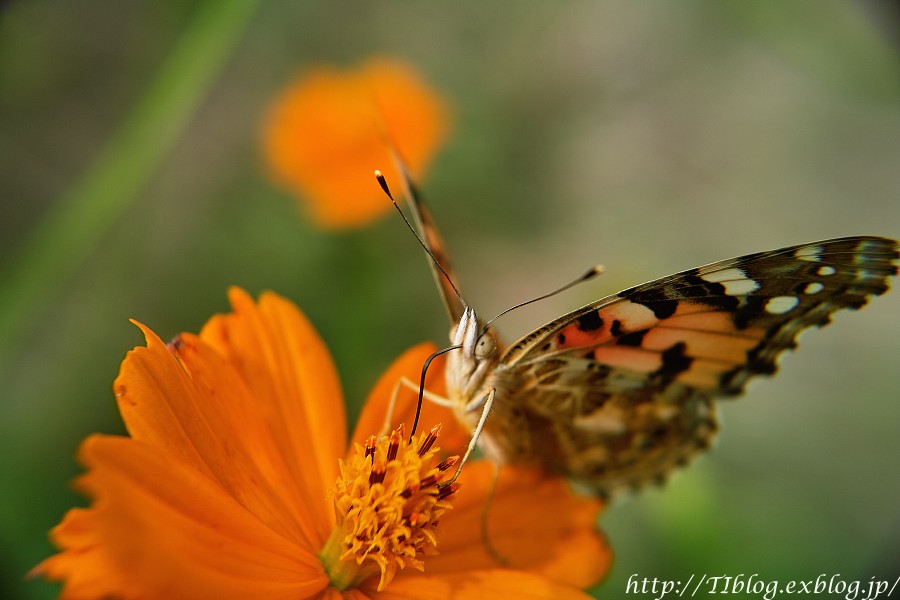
(409,384)
(488,402)
(485,513)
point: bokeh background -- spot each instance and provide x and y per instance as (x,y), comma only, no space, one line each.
(649,136)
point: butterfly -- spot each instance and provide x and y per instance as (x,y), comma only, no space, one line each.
(622,391)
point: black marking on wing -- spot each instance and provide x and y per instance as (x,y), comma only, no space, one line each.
(674,361)
(590,321)
(662,307)
(633,338)
(616,328)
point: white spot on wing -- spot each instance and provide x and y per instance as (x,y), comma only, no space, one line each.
(813,288)
(863,275)
(781,304)
(862,248)
(810,253)
(734,280)
(631,315)
(826,270)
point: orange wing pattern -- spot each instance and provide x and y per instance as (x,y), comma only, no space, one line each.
(621,391)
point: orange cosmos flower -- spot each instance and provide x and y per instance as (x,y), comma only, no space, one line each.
(236,482)
(326,133)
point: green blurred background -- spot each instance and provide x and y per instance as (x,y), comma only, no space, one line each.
(650,136)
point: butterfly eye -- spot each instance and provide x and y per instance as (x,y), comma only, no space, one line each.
(485,346)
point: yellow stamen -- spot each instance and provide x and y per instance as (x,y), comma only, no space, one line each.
(387,502)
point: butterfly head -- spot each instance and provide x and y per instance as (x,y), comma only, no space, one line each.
(478,354)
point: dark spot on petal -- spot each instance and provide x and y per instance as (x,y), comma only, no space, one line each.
(561,339)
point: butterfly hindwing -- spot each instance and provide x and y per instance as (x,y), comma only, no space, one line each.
(621,391)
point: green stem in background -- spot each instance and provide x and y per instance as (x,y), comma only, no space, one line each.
(72,229)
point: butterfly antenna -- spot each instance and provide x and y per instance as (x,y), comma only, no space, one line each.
(587,276)
(422,385)
(384,186)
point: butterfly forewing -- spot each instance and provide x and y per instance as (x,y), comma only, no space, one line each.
(621,391)
(439,259)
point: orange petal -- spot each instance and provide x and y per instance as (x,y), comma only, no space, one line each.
(325,135)
(85,565)
(475,585)
(243,453)
(453,438)
(534,521)
(290,373)
(161,529)
(204,413)
(157,401)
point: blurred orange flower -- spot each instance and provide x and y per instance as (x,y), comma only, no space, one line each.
(236,482)
(329,130)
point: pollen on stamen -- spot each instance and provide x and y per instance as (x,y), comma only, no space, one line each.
(449,462)
(447,490)
(394,443)
(387,502)
(430,439)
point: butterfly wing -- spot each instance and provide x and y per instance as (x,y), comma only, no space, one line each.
(439,261)
(621,391)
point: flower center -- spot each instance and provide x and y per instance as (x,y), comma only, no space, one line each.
(387,501)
